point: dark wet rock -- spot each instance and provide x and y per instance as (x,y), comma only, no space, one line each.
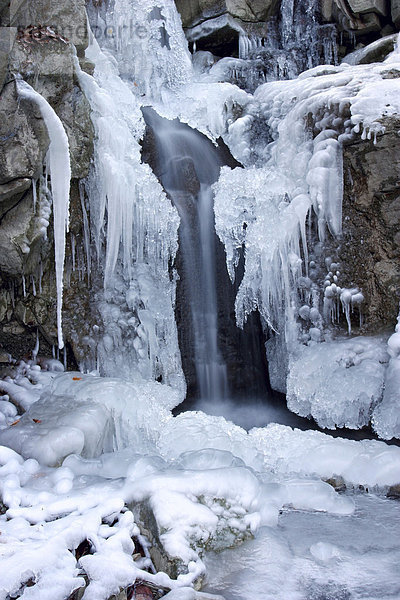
(370,245)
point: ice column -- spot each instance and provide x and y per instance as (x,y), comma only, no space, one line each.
(60,175)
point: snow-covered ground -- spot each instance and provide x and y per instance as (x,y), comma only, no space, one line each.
(90,451)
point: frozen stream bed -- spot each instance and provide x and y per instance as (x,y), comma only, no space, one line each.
(316,557)
(249,514)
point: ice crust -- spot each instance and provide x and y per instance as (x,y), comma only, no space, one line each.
(293,175)
(208,483)
(289,139)
(386,416)
(338,383)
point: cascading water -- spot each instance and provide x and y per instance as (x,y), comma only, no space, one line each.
(188,165)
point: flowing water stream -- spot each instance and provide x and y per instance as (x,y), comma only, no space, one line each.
(188,165)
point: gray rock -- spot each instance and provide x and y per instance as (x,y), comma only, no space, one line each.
(337,482)
(162,561)
(48,66)
(7,39)
(50,69)
(368,6)
(14,242)
(196,11)
(10,193)
(23,137)
(375,52)
(369,248)
(395,6)
(394,492)
(68,18)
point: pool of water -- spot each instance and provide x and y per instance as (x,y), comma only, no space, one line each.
(316,556)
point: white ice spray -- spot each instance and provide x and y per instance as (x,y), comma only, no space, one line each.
(60,174)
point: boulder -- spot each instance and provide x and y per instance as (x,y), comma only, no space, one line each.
(375,52)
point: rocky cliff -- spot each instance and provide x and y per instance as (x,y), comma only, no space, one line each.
(215,24)
(38,42)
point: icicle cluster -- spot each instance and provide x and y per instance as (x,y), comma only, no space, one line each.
(134,228)
(294,174)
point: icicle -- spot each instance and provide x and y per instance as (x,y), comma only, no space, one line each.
(36,348)
(23,286)
(34,195)
(86,231)
(60,174)
(40,276)
(33,285)
(73,250)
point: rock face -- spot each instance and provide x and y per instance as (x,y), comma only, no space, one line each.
(195,11)
(395,9)
(66,18)
(216,24)
(45,59)
(370,247)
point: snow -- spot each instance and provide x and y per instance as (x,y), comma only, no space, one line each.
(208,483)
(60,174)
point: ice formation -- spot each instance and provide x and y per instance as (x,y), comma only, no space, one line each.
(338,383)
(136,306)
(90,449)
(80,453)
(386,419)
(60,174)
(293,176)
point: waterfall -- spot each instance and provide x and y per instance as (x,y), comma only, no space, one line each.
(188,165)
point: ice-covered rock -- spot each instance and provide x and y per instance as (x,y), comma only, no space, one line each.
(338,383)
(386,416)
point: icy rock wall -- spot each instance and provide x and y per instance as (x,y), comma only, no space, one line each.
(45,60)
(132,223)
(293,186)
(60,174)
